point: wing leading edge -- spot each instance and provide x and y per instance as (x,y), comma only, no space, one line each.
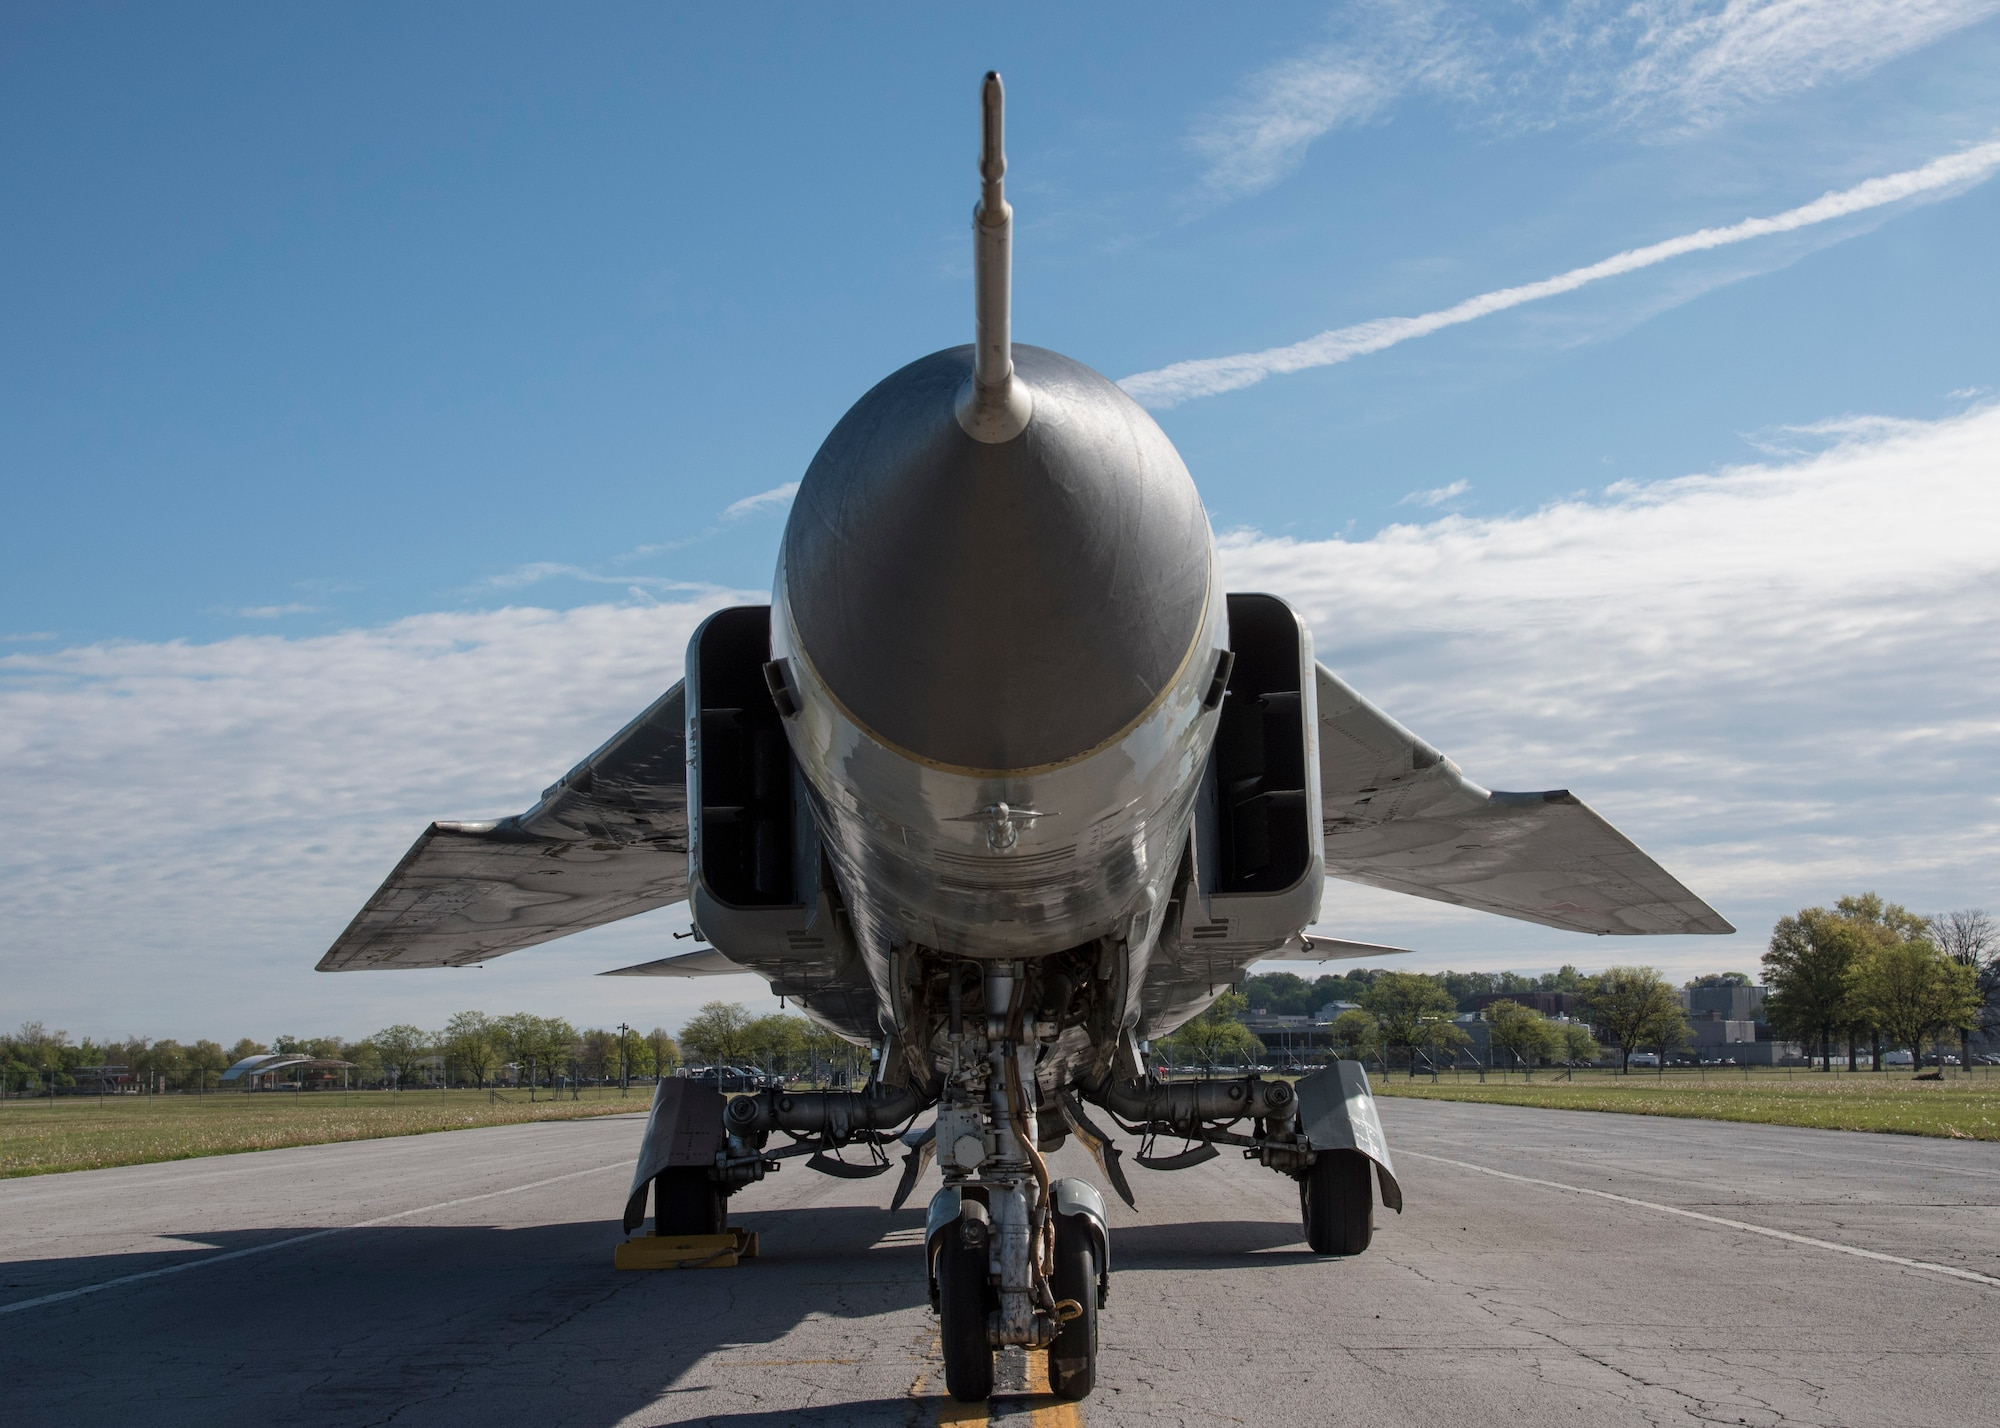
(1400,815)
(608,840)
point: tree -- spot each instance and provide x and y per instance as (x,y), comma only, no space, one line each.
(777,1042)
(1892,918)
(1524,1034)
(403,1048)
(1720,979)
(163,1063)
(599,1061)
(1914,991)
(666,1051)
(1636,1008)
(541,1046)
(827,1052)
(1565,978)
(1413,1012)
(206,1062)
(243,1048)
(468,1042)
(43,1056)
(1578,1043)
(367,1064)
(719,1032)
(1215,1034)
(1355,1035)
(1807,969)
(1967,937)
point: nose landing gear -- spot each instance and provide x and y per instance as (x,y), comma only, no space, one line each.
(1017,1260)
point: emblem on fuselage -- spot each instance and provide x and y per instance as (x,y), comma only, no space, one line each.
(1003,824)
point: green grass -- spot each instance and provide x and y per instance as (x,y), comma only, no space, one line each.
(83,1133)
(1961,1107)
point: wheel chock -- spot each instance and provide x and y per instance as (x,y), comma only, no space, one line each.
(656,1251)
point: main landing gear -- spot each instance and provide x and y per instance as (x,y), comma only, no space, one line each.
(688,1201)
(1338,1202)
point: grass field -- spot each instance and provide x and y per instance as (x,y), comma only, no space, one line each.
(83,1133)
(1963,1107)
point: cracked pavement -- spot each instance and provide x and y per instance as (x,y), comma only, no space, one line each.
(1488,1301)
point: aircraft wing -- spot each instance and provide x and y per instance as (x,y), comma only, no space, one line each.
(608,840)
(1400,815)
(702,962)
(1331,949)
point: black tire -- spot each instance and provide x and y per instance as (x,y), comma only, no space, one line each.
(687,1202)
(1073,1356)
(1338,1202)
(962,1303)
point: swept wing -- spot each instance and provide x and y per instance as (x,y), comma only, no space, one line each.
(1400,815)
(608,840)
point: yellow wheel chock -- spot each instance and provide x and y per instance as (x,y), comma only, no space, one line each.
(656,1251)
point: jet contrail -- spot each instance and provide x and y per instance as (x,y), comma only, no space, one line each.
(1208,376)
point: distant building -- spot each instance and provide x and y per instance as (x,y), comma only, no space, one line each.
(1563,1004)
(1726,1003)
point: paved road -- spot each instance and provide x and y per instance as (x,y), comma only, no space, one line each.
(1718,1274)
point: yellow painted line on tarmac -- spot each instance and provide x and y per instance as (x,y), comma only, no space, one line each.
(1044,1409)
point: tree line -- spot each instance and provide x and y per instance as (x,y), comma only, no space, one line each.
(1869,971)
(1410,1017)
(1865,971)
(470,1049)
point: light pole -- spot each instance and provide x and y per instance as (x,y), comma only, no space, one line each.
(624,1062)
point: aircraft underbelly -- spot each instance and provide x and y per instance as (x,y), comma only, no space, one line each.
(1008,864)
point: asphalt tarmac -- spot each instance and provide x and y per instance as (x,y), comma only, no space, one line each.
(1552,1268)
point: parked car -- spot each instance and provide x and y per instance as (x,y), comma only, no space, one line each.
(728,1078)
(1896,1058)
(1643,1058)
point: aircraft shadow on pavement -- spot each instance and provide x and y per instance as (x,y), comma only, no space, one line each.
(1208,1244)
(441,1324)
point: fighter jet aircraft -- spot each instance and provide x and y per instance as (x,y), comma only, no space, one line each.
(1004,784)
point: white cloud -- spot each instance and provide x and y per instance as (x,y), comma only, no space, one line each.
(1781,679)
(1697,60)
(1209,376)
(269,612)
(1437,495)
(762,501)
(1661,65)
(188,826)
(1382,50)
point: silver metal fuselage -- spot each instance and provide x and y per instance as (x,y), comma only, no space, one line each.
(1086,849)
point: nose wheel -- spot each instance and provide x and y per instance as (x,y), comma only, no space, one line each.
(1073,1356)
(963,1303)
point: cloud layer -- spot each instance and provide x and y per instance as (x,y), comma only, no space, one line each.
(1780,678)
(1210,376)
(1664,66)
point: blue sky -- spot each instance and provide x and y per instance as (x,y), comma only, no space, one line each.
(391,362)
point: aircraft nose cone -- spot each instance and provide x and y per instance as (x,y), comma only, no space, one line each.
(997,608)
